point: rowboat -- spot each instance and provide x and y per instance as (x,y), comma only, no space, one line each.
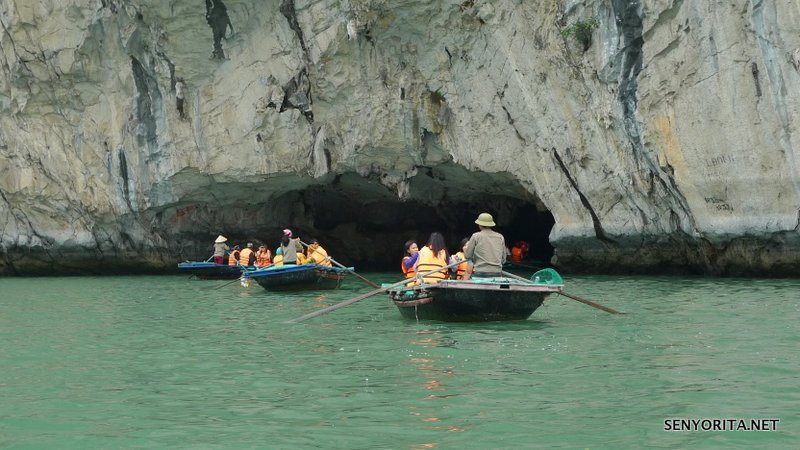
(210,271)
(477,299)
(298,277)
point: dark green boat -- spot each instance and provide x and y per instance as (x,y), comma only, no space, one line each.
(478,299)
(209,271)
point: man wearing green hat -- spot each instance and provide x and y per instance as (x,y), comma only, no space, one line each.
(486,249)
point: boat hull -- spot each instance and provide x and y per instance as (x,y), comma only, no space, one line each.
(211,271)
(301,277)
(471,301)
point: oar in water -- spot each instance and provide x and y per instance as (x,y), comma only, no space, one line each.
(322,311)
(343,267)
(523,265)
(244,269)
(574,297)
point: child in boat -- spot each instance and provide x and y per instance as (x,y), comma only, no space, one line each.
(410,258)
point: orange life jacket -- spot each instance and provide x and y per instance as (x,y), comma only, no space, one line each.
(233,258)
(516,254)
(427,261)
(410,271)
(461,268)
(263,258)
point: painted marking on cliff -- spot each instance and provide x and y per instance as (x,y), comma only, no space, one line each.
(718,204)
(720,161)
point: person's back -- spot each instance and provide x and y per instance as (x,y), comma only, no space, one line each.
(486,248)
(220,247)
(234,256)
(289,248)
(431,257)
(247,257)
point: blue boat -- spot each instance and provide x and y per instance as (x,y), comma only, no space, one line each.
(299,277)
(210,271)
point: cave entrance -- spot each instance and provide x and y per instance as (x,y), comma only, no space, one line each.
(367,232)
(362,222)
(533,226)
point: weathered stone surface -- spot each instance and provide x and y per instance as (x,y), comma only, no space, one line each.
(671,143)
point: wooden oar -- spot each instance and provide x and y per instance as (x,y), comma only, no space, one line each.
(227,284)
(244,269)
(322,311)
(343,267)
(574,297)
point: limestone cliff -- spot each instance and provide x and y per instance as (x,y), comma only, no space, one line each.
(132,132)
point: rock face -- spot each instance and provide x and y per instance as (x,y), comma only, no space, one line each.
(664,139)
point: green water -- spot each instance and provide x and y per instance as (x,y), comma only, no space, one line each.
(166,362)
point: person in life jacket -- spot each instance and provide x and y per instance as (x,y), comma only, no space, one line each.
(263,256)
(463,267)
(278,259)
(233,259)
(431,257)
(317,254)
(518,251)
(247,257)
(410,258)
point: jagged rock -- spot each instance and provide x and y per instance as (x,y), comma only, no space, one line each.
(669,144)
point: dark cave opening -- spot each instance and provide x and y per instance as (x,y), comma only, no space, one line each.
(371,235)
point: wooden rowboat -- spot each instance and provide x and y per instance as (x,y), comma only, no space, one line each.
(298,277)
(475,300)
(211,271)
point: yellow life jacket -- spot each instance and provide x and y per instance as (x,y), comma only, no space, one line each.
(244,257)
(428,261)
(277,260)
(318,256)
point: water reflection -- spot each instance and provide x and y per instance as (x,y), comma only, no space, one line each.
(437,371)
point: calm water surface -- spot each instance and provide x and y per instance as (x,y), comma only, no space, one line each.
(167,362)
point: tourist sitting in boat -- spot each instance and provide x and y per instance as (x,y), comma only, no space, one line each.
(277,261)
(317,254)
(247,257)
(463,267)
(431,257)
(410,258)
(233,259)
(220,248)
(486,249)
(518,251)
(263,256)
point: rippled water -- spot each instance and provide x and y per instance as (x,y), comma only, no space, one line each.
(159,362)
